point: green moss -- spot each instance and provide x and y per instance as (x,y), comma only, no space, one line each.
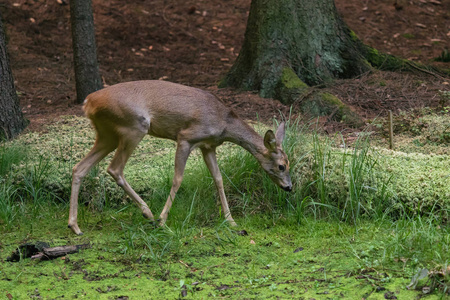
(332,100)
(290,87)
(353,36)
(385,61)
(222,83)
(277,259)
(420,132)
(290,80)
(326,104)
(408,36)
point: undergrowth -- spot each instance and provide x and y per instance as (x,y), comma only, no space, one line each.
(356,199)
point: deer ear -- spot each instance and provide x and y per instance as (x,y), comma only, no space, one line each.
(280,134)
(270,141)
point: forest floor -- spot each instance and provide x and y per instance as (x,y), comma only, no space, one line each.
(195,42)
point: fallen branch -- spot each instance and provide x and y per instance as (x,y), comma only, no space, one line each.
(54,252)
(41,250)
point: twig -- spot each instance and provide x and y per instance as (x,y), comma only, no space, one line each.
(424,70)
(391,131)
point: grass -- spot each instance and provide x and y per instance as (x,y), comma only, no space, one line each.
(277,258)
(346,232)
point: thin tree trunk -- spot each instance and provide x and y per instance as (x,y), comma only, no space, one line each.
(12,121)
(87,73)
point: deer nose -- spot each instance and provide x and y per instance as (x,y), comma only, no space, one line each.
(287,188)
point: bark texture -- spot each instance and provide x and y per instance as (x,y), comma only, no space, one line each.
(12,121)
(303,36)
(87,73)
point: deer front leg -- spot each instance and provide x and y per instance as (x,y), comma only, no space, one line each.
(181,156)
(209,155)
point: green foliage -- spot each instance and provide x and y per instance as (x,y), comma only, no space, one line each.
(359,221)
(331,179)
(444,57)
(276,259)
(424,131)
(384,61)
(10,155)
(444,101)
(346,182)
(408,36)
(326,104)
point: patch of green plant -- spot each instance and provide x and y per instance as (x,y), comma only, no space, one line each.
(265,257)
(425,131)
(444,102)
(408,36)
(325,104)
(444,57)
(331,179)
(362,222)
(9,156)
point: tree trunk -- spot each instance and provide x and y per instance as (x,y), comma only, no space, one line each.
(12,121)
(295,37)
(87,75)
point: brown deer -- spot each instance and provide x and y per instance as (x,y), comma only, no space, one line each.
(124,113)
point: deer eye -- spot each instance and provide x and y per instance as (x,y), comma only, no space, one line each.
(281,168)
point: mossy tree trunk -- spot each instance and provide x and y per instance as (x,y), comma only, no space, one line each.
(87,75)
(302,37)
(12,121)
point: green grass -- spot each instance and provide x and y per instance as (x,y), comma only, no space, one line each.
(355,226)
(277,258)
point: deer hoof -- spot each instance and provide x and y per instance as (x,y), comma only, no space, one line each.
(147,216)
(154,223)
(233,223)
(75,229)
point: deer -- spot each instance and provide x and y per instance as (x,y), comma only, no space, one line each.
(122,114)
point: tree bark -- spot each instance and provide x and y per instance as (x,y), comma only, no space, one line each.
(87,75)
(302,37)
(12,121)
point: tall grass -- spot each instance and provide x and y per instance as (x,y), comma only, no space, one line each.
(25,194)
(11,205)
(331,180)
(11,202)
(345,183)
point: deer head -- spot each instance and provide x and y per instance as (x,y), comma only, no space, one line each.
(275,162)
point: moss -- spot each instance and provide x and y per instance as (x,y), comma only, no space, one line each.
(290,87)
(279,260)
(222,83)
(353,36)
(290,80)
(323,104)
(68,141)
(408,36)
(331,99)
(385,61)
(422,132)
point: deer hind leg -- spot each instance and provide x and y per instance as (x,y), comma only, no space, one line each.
(209,155)
(181,156)
(101,148)
(127,143)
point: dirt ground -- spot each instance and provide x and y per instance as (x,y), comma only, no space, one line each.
(195,42)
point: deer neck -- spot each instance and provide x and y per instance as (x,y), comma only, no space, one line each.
(242,134)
